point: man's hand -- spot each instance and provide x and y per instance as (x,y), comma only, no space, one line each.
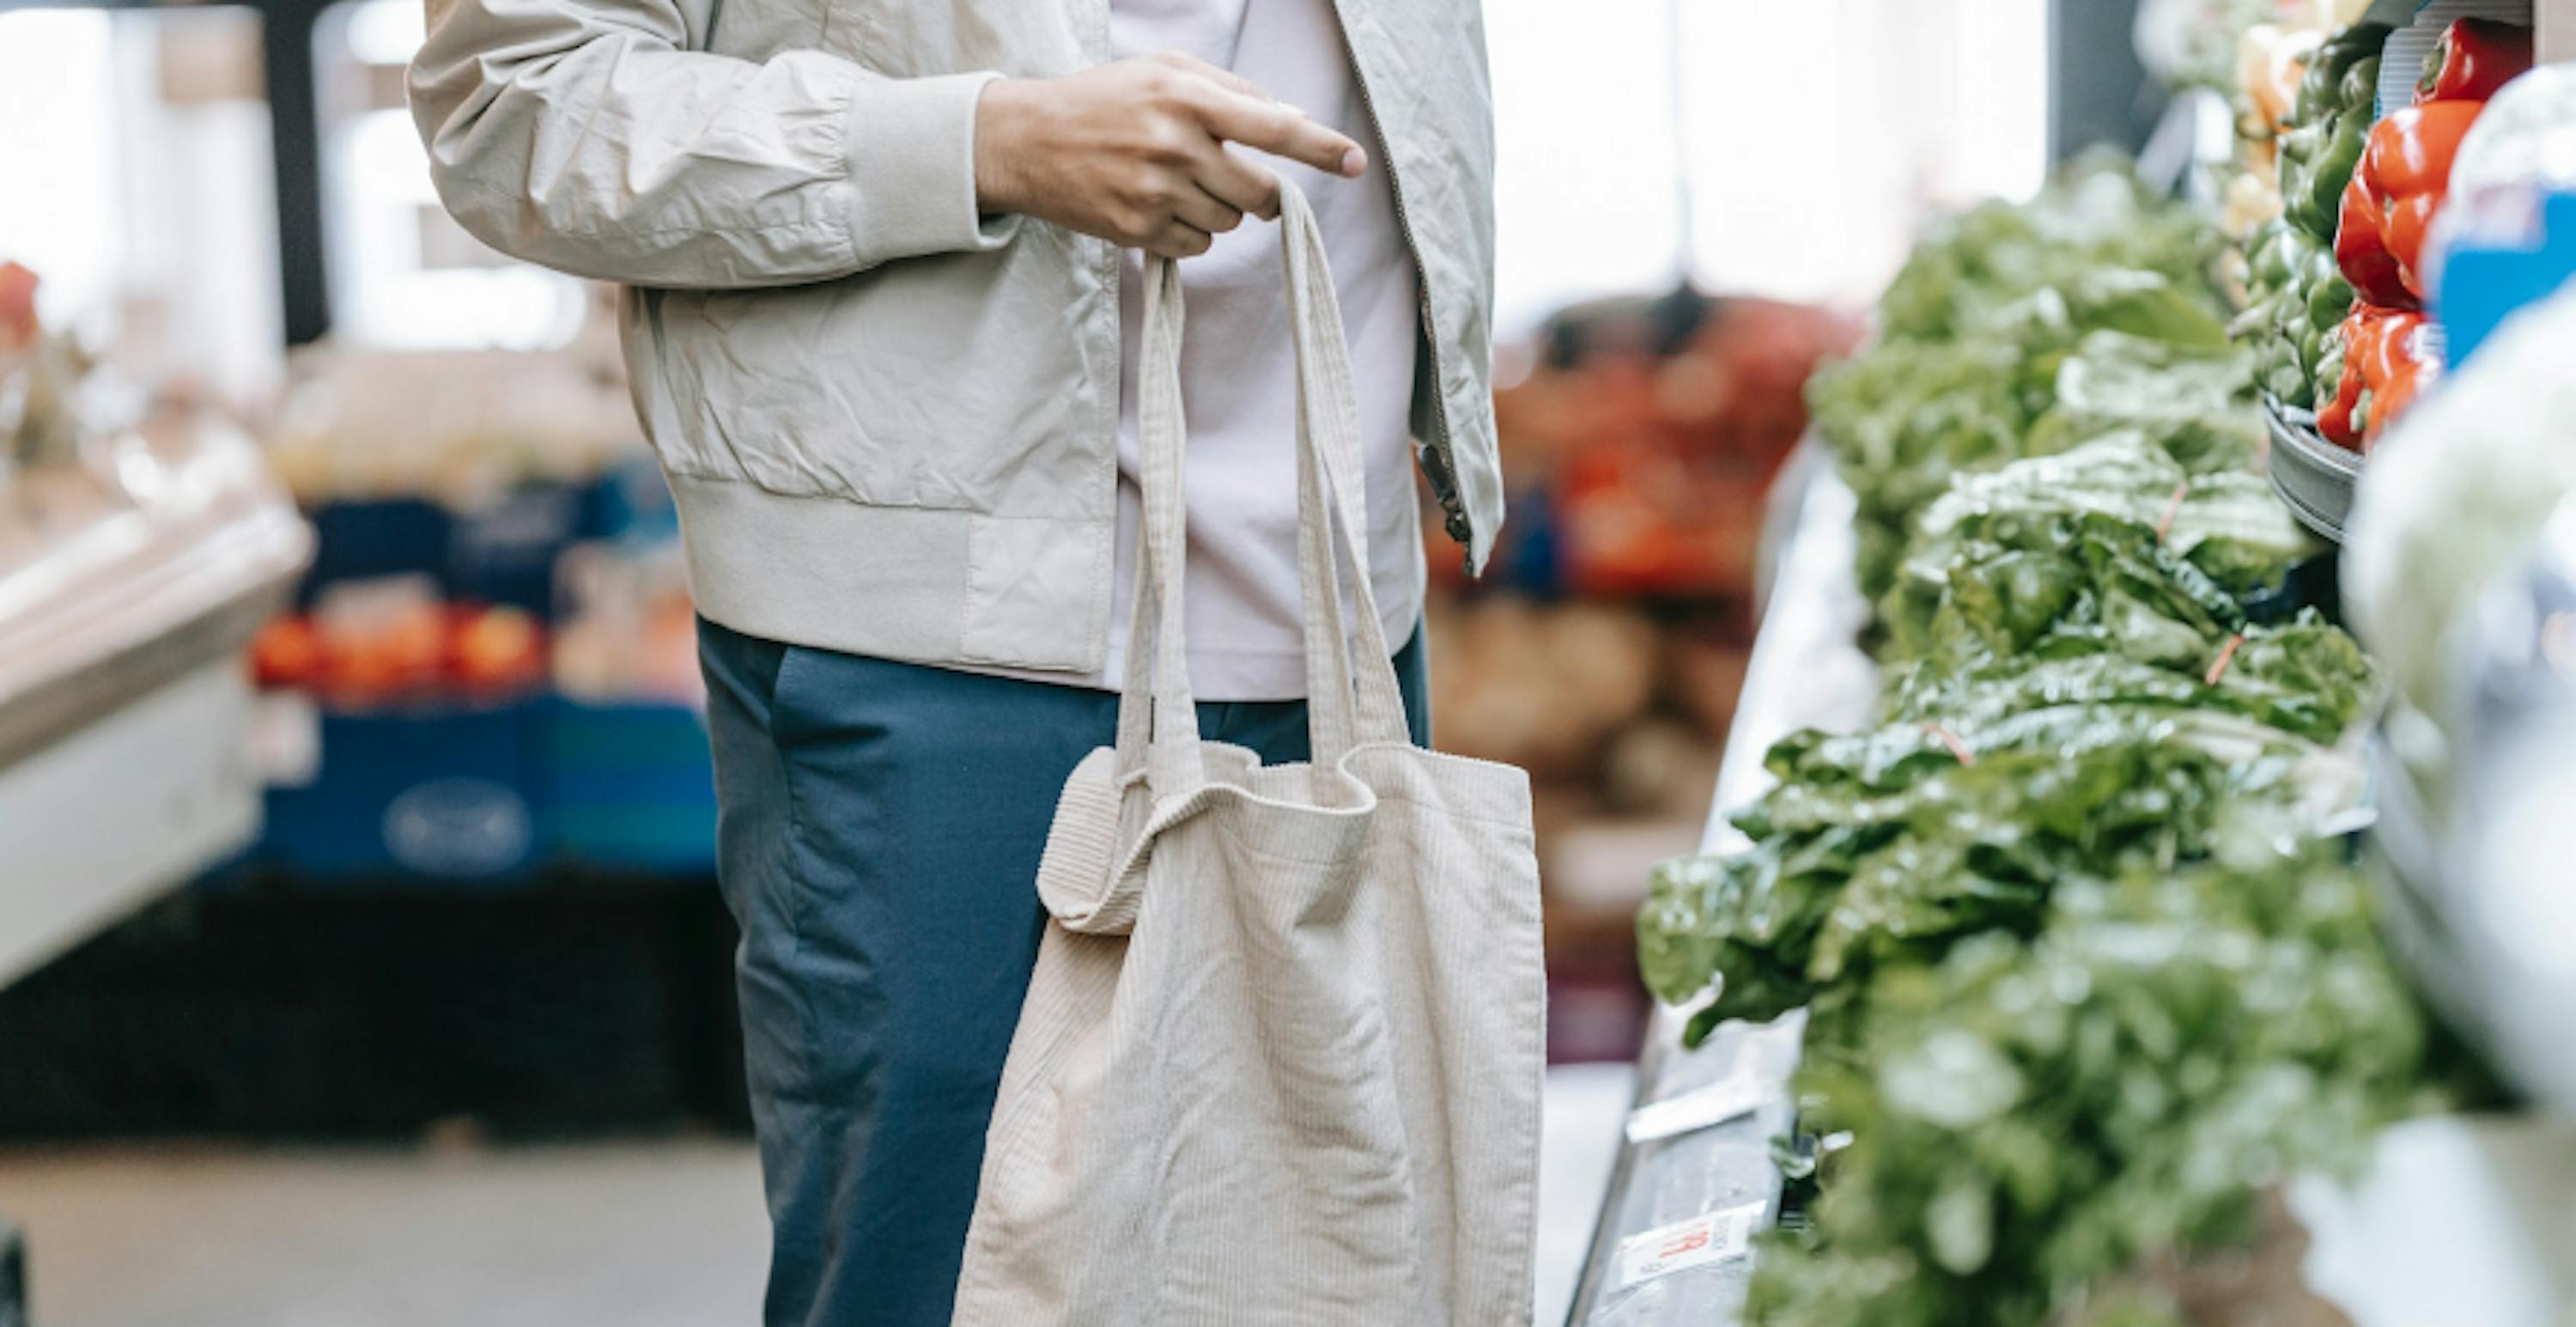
(1134,151)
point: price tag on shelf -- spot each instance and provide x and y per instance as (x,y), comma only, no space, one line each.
(1736,1095)
(1710,1237)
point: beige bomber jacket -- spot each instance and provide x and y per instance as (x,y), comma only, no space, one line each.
(890,422)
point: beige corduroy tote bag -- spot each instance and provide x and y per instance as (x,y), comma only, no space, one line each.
(1280,1063)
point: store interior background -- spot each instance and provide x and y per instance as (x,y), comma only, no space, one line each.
(389,1064)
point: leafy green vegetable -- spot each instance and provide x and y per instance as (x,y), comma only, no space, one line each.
(1885,847)
(2073,696)
(1906,415)
(2093,219)
(2196,403)
(2151,513)
(2308,680)
(2032,1120)
(2078,988)
(2021,331)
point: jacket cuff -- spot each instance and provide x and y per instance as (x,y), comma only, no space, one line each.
(912,169)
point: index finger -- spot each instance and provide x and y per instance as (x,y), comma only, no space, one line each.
(1224,78)
(1274,128)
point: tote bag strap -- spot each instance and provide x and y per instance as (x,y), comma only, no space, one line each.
(1348,703)
(1345,707)
(1158,719)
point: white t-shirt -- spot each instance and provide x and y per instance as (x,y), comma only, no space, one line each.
(1238,368)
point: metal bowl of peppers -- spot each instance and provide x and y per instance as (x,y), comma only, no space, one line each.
(2338,282)
(2313,476)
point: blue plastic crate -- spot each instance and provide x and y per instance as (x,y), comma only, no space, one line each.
(364,541)
(442,795)
(505,552)
(630,501)
(629,787)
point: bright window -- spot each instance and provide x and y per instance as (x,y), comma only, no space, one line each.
(135,179)
(403,274)
(1808,139)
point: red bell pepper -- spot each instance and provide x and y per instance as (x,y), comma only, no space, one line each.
(2387,362)
(2476,56)
(2389,207)
(2361,250)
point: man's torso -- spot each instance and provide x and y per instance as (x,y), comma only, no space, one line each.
(921,461)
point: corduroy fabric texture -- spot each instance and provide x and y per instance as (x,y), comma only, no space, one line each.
(1280,1062)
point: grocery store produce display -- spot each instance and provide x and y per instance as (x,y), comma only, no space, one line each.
(2083,984)
(490,672)
(402,646)
(2022,330)
(2039,1120)
(2296,292)
(1605,648)
(120,521)
(141,545)
(2337,283)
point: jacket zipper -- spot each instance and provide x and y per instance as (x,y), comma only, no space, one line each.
(1440,467)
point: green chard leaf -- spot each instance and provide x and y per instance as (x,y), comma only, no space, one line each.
(2033,1120)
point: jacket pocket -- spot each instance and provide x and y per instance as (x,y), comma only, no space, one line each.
(944,383)
(776,388)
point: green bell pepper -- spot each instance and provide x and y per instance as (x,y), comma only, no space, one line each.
(2318,192)
(2329,299)
(2300,144)
(2307,262)
(2270,265)
(2328,377)
(2282,374)
(2328,125)
(2322,88)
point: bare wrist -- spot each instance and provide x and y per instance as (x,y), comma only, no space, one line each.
(1000,111)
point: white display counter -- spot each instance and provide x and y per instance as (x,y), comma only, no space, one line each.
(128,590)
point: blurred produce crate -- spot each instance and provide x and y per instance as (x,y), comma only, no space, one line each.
(449,794)
(364,541)
(630,500)
(492,796)
(502,550)
(628,787)
(1605,649)
(489,686)
(1644,437)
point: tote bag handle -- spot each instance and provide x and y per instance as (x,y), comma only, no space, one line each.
(1350,702)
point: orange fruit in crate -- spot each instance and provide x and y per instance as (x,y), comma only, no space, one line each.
(382,656)
(497,649)
(286,653)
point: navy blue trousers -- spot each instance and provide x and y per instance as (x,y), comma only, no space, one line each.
(878,839)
